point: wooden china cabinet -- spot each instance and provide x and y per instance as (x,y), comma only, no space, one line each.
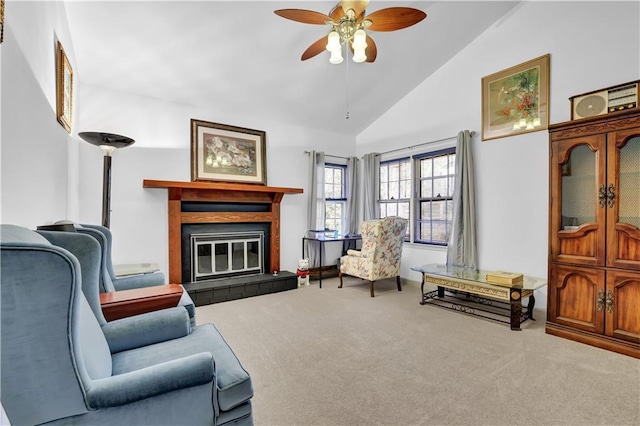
(594,231)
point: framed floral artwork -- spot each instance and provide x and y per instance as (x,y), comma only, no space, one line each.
(64,89)
(220,152)
(516,100)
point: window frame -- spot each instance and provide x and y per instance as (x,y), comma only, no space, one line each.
(400,200)
(418,220)
(342,201)
(415,200)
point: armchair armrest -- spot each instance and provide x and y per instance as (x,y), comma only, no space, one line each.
(356,253)
(126,303)
(139,281)
(189,371)
(128,269)
(147,329)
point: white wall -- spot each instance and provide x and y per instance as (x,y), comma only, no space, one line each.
(48,175)
(162,151)
(39,159)
(512,173)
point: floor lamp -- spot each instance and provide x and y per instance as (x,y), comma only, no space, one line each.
(108,142)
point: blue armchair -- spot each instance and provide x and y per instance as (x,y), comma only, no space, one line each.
(63,363)
(108,280)
(122,283)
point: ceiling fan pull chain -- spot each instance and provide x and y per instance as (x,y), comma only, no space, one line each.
(345,54)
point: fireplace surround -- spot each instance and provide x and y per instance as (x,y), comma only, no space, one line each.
(219,207)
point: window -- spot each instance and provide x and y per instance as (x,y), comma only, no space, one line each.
(435,174)
(395,188)
(431,183)
(335,196)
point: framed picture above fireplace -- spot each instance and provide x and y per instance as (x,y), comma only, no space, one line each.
(224,153)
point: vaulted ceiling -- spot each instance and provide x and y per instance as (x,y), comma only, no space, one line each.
(241,55)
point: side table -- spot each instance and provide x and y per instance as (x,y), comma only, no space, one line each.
(321,240)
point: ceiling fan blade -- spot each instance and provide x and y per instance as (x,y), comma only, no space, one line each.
(315,49)
(336,13)
(304,16)
(371,50)
(358,6)
(394,18)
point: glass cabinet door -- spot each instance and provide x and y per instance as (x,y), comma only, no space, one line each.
(579,188)
(623,200)
(578,214)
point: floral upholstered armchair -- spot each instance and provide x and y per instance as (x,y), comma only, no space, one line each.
(381,250)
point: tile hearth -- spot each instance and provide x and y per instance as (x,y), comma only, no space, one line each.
(225,289)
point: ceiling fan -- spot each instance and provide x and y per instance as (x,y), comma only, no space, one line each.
(348,24)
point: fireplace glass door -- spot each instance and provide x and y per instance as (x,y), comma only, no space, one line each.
(223,255)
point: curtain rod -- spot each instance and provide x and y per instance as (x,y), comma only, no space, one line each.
(421,144)
(400,149)
(329,155)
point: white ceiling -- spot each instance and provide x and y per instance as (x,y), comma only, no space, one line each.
(241,54)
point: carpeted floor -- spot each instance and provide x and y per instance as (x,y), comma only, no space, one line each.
(339,357)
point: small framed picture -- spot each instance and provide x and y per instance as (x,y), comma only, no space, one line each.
(64,89)
(224,153)
(516,100)
(1,20)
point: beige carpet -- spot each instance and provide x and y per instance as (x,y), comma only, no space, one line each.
(338,357)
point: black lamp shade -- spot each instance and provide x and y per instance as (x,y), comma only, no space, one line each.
(112,140)
(109,139)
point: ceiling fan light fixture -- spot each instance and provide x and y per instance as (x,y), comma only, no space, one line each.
(333,42)
(359,55)
(359,39)
(336,57)
(359,45)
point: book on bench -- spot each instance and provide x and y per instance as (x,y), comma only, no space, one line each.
(501,277)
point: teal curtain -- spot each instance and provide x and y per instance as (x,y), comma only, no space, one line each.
(351,216)
(371,184)
(462,248)
(316,204)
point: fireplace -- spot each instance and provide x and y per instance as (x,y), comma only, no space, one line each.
(216,255)
(223,223)
(215,251)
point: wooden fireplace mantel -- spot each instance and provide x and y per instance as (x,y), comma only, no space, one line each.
(215,192)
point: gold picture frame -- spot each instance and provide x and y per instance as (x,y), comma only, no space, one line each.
(64,89)
(224,153)
(516,100)
(1,21)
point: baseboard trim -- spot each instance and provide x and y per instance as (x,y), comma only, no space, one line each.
(599,341)
(410,283)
